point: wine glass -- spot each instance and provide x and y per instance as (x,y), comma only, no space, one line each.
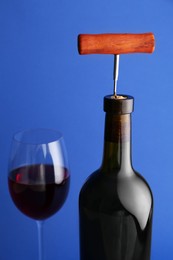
(38,176)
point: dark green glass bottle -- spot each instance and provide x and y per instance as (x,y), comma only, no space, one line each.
(116,203)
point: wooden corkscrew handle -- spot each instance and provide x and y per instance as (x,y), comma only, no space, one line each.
(116,43)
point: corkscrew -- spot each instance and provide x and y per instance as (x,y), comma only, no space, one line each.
(116,44)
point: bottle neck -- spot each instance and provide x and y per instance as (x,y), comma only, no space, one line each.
(117,144)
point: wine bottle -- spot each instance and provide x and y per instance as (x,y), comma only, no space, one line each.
(115,202)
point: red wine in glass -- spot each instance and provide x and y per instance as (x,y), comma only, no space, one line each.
(38,199)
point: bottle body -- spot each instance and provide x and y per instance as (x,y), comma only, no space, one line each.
(116,203)
(115,218)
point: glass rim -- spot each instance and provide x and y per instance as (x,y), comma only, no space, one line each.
(53,135)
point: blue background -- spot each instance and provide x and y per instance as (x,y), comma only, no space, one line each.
(45,83)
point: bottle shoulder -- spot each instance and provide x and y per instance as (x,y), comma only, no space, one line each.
(118,194)
(100,181)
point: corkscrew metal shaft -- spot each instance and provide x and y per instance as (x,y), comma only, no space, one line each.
(116,73)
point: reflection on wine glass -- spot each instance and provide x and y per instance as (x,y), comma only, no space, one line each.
(38,175)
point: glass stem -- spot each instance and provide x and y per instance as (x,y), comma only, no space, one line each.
(40,239)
